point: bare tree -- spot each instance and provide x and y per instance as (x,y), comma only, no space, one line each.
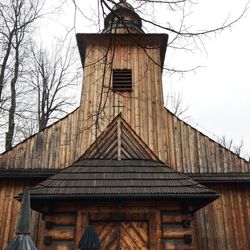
(51,74)
(174,102)
(238,148)
(230,145)
(16,19)
(225,142)
(182,36)
(17,22)
(12,108)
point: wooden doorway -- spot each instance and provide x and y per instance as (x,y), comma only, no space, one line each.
(123,235)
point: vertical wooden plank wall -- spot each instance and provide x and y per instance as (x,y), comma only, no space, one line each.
(142,107)
(54,147)
(225,223)
(9,209)
(190,151)
(176,143)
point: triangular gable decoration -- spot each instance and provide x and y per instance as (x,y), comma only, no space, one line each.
(119,142)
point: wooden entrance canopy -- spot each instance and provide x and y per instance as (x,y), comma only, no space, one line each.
(128,196)
(118,165)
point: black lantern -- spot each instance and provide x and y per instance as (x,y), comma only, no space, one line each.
(89,240)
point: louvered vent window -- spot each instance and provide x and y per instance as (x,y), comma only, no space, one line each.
(122,80)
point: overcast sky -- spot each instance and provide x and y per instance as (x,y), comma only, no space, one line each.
(217,93)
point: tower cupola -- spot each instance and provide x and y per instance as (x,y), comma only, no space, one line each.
(122,19)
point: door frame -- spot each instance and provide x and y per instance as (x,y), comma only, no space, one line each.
(151,216)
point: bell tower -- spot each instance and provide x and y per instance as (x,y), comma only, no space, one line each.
(122,74)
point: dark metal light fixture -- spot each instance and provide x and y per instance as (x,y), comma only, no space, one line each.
(23,241)
(89,240)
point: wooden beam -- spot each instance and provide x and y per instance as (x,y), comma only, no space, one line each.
(119,146)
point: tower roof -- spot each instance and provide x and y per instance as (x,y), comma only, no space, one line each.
(122,19)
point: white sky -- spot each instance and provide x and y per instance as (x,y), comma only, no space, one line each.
(218,94)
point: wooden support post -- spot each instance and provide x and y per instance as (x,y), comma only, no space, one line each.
(119,140)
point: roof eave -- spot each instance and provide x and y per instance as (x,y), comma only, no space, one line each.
(195,201)
(84,39)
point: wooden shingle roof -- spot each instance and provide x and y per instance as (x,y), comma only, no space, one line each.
(120,179)
(119,167)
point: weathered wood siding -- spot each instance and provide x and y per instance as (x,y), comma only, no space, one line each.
(177,144)
(58,232)
(9,209)
(225,223)
(54,147)
(62,143)
(187,150)
(190,151)
(177,230)
(137,225)
(142,107)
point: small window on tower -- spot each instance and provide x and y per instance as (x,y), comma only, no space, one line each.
(122,80)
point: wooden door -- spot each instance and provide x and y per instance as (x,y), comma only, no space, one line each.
(123,235)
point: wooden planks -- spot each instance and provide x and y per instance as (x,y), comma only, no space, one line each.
(59,231)
(47,149)
(172,140)
(9,209)
(177,232)
(224,224)
(130,235)
(190,151)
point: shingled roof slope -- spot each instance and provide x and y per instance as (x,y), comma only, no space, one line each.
(108,171)
(120,179)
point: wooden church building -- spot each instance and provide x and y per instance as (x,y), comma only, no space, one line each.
(121,171)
